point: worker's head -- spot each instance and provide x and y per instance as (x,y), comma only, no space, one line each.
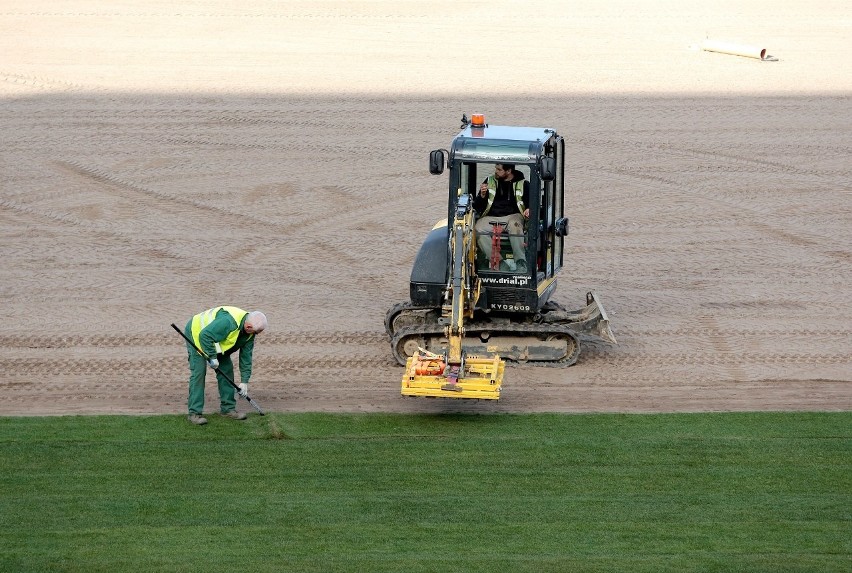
(255,322)
(503,170)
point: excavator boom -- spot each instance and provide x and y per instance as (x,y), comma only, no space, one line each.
(456,374)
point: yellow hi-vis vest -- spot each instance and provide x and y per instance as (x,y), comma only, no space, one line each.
(492,192)
(202,319)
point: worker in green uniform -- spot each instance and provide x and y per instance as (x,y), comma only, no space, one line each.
(219,332)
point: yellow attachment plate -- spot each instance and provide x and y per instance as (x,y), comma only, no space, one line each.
(482,379)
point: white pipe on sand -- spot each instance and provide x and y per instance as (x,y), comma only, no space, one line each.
(735,49)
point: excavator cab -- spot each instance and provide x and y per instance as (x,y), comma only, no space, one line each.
(470,311)
(512,285)
(534,250)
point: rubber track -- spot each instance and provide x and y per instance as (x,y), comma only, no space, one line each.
(472,328)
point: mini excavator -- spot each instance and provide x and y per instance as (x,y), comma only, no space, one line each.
(469,312)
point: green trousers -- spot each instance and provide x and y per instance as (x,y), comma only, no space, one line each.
(198,373)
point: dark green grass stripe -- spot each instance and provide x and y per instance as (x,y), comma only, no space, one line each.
(316,492)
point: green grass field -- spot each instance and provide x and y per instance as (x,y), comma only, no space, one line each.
(374,493)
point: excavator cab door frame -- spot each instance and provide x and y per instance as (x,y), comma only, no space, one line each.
(550,215)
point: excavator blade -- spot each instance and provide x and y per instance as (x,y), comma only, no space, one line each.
(426,375)
(601,327)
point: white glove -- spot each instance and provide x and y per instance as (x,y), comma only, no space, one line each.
(213,363)
(243,389)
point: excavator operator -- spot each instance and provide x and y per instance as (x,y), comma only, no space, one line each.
(503,199)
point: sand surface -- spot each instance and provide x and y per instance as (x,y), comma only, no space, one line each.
(160,158)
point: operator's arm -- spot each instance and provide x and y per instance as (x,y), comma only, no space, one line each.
(216,331)
(245,360)
(526,199)
(480,200)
